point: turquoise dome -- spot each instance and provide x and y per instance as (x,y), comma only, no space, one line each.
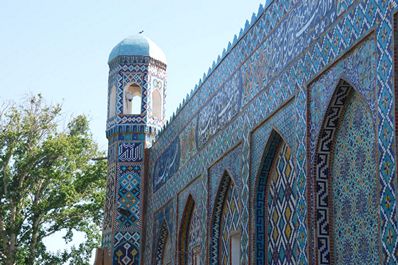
(137,45)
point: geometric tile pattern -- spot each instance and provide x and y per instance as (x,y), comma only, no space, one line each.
(131,152)
(261,222)
(122,74)
(161,244)
(109,208)
(129,195)
(197,231)
(265,142)
(217,220)
(168,253)
(227,165)
(358,67)
(163,247)
(184,232)
(143,72)
(126,250)
(281,204)
(288,45)
(322,160)
(229,223)
(194,236)
(128,135)
(355,207)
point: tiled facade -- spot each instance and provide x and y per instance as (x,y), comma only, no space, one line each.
(289,140)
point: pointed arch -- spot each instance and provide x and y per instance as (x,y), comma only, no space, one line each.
(157,105)
(184,231)
(162,244)
(346,136)
(112,102)
(132,101)
(269,154)
(274,204)
(224,186)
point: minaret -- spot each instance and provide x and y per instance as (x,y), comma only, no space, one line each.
(136,100)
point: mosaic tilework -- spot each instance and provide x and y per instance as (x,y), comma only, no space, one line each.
(121,75)
(126,249)
(109,208)
(131,152)
(347,215)
(278,80)
(278,216)
(260,189)
(306,29)
(156,81)
(142,71)
(127,237)
(281,204)
(300,185)
(359,69)
(167,165)
(194,237)
(127,136)
(245,198)
(230,221)
(129,193)
(197,232)
(220,110)
(279,124)
(168,252)
(161,244)
(230,164)
(355,187)
(184,233)
(187,140)
(324,148)
(217,221)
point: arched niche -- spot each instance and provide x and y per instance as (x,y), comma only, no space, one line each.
(157,105)
(183,242)
(132,102)
(216,219)
(275,204)
(163,249)
(112,102)
(346,184)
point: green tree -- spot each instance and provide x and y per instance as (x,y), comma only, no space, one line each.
(49,182)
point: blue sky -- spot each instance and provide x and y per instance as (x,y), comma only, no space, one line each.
(60,48)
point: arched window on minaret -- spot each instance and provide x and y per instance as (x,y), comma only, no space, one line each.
(157,104)
(132,99)
(112,102)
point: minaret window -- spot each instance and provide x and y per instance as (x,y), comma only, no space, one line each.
(157,104)
(112,102)
(132,99)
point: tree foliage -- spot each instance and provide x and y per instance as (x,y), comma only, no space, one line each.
(48,183)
